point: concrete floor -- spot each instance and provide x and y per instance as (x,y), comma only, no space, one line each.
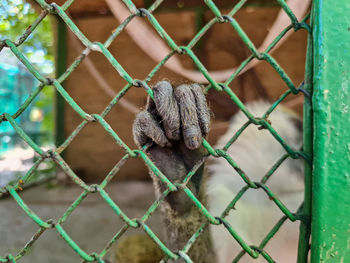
(91,225)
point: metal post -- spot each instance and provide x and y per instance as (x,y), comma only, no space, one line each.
(331,99)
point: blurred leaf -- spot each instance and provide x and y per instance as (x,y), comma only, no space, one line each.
(16,16)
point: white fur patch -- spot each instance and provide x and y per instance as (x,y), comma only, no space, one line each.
(255,152)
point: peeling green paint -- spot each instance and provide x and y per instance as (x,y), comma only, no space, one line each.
(331,195)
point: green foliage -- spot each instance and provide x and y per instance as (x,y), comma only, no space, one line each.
(15,17)
(45,102)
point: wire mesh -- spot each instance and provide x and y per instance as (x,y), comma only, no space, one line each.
(55,154)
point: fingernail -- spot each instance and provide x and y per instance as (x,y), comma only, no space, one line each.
(193,142)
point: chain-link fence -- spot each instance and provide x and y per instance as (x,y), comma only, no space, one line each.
(55,154)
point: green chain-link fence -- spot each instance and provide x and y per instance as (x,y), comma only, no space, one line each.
(301,215)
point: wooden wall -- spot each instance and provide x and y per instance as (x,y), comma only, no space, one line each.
(93,153)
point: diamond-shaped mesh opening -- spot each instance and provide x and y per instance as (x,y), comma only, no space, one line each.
(91,230)
(78,152)
(16,216)
(178,47)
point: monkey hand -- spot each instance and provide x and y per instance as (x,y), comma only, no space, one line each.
(176,121)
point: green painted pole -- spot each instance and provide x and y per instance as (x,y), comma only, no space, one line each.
(331,98)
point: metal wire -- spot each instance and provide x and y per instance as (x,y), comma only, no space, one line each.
(54,154)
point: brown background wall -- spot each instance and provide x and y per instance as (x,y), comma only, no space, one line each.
(93,153)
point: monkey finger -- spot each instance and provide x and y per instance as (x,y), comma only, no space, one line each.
(167,109)
(190,125)
(202,108)
(146,128)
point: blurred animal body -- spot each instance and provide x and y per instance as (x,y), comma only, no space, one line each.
(256,151)
(175,122)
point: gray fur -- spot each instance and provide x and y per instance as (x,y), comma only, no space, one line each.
(175,112)
(256,151)
(202,108)
(189,120)
(146,127)
(168,109)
